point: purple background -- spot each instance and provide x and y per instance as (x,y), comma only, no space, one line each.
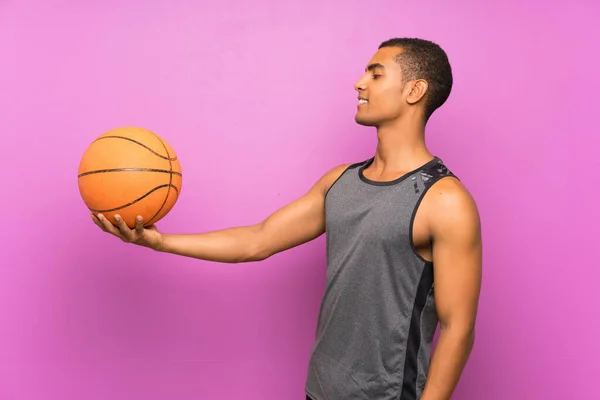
(257,99)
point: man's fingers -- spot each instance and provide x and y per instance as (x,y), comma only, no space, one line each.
(139,225)
(109,227)
(98,222)
(123,228)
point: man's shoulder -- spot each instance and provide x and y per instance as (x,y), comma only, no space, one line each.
(338,170)
(449,203)
(335,173)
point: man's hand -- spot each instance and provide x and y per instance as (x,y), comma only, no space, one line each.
(147,237)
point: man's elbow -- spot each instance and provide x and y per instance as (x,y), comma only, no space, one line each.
(256,253)
(259,248)
(463,332)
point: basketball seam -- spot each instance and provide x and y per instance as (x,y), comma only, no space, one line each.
(100,171)
(136,200)
(168,157)
(170,181)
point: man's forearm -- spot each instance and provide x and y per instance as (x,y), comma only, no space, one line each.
(232,245)
(448,361)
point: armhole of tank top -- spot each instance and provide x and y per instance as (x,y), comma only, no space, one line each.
(414,215)
(348,168)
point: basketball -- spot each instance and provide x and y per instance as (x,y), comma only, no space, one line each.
(130,171)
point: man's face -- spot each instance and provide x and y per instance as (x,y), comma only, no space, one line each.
(380,90)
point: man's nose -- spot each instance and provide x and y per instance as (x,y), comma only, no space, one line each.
(360,85)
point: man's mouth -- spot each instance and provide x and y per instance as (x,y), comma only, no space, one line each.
(362,101)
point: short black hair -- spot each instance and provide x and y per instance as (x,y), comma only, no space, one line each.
(423,59)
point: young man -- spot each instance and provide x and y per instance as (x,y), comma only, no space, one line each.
(395,224)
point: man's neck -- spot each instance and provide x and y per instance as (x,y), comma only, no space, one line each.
(401,147)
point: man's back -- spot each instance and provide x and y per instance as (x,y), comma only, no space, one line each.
(377,317)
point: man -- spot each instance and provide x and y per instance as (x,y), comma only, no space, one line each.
(395,224)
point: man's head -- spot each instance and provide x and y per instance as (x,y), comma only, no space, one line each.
(405,77)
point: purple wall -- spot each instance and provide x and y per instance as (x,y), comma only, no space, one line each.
(257,99)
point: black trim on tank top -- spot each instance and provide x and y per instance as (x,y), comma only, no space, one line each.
(363,178)
(413,342)
(433,174)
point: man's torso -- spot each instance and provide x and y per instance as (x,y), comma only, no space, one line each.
(377,316)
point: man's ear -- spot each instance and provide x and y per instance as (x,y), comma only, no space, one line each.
(418,89)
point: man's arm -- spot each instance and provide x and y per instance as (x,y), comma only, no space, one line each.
(457,257)
(296,223)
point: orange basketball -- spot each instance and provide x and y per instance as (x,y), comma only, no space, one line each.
(130,171)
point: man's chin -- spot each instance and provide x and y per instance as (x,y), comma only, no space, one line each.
(364,121)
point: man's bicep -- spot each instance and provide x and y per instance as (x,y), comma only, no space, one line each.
(457,255)
(301,220)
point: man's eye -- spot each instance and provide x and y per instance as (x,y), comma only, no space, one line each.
(375,76)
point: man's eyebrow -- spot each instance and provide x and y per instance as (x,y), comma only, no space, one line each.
(371,67)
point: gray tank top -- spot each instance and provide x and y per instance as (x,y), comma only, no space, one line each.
(377,317)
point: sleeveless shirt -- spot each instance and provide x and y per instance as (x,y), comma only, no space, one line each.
(377,317)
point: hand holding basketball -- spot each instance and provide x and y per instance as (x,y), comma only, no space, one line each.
(147,237)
